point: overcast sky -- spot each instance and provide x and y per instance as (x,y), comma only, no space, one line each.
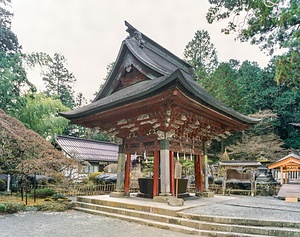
(89,33)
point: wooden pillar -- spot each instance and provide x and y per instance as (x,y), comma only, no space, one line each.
(197,174)
(156,174)
(127,174)
(281,175)
(201,175)
(172,167)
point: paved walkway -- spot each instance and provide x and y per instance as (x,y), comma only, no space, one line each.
(258,208)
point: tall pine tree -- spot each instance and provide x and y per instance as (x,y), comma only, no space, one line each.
(200,52)
(59,81)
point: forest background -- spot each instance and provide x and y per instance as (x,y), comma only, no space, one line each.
(270,93)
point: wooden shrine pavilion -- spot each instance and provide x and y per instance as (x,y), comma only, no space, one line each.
(289,164)
(152,103)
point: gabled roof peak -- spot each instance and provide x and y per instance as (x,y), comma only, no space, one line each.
(145,41)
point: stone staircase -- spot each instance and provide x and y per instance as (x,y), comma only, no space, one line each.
(186,223)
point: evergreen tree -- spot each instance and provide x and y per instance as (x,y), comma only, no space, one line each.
(201,54)
(287,107)
(13,78)
(256,87)
(222,84)
(270,24)
(59,81)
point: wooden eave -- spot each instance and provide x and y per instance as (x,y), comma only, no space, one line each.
(147,89)
(285,162)
(189,118)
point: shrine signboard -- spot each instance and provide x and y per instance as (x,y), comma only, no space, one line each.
(291,168)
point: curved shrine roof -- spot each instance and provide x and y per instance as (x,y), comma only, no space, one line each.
(146,88)
(161,69)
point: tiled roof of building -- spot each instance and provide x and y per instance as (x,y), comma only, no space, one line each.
(88,150)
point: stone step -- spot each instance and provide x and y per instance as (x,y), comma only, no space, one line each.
(190,221)
(167,226)
(216,219)
(137,207)
(239,221)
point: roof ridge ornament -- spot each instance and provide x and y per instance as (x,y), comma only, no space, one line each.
(139,37)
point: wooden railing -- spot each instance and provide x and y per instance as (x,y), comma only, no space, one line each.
(78,189)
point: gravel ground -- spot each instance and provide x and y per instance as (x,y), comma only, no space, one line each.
(74,224)
(259,208)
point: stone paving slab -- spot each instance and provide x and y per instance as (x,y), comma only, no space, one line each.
(259,208)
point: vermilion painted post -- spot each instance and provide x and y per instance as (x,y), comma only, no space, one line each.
(172,167)
(156,174)
(197,174)
(127,174)
(201,175)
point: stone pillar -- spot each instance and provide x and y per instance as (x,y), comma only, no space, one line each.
(165,167)
(172,167)
(119,192)
(8,183)
(207,192)
(206,186)
(253,184)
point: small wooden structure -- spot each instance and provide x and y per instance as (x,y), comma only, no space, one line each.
(287,165)
(239,172)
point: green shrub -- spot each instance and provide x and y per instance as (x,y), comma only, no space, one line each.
(11,207)
(2,185)
(93,175)
(42,192)
(59,196)
(4,193)
(56,206)
(2,208)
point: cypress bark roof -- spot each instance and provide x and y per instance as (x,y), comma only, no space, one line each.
(144,69)
(147,88)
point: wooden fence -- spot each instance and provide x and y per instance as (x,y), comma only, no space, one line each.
(81,189)
(77,189)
